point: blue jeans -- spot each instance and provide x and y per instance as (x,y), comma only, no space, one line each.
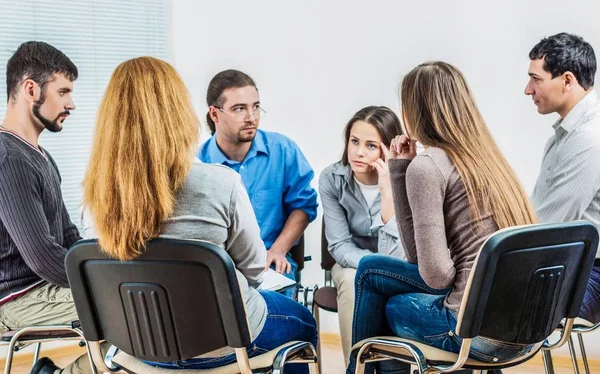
(286,321)
(590,309)
(393,299)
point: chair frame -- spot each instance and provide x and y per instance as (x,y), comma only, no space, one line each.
(579,330)
(163,252)
(469,318)
(13,344)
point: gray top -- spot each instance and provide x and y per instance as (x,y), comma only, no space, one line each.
(434,216)
(35,228)
(213,206)
(353,229)
(568,187)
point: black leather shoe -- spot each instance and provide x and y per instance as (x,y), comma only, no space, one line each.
(44,366)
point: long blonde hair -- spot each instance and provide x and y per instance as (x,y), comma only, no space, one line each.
(439,111)
(146,133)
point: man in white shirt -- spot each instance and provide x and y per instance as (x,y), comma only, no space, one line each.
(561,80)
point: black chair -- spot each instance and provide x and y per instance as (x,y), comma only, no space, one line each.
(524,282)
(326,297)
(178,300)
(297,253)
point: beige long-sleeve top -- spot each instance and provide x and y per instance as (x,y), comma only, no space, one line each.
(435,223)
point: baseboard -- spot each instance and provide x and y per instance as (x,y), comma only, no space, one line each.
(333,338)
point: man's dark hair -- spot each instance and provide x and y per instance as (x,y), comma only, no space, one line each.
(224,80)
(567,52)
(39,62)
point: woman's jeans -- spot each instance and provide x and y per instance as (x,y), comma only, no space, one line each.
(393,299)
(287,320)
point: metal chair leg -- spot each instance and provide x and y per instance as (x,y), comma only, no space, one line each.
(36,353)
(586,365)
(317,319)
(547,358)
(573,355)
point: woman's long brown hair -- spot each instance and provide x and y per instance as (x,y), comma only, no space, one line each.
(439,111)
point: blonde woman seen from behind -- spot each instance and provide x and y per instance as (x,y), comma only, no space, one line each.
(142,183)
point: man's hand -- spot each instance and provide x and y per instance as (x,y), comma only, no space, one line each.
(280,261)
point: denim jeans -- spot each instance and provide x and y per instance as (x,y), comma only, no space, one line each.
(393,299)
(286,320)
(590,309)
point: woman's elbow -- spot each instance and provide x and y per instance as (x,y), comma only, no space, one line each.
(439,279)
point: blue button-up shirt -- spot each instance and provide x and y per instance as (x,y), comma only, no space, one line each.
(277,177)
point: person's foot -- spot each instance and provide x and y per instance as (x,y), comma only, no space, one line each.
(44,366)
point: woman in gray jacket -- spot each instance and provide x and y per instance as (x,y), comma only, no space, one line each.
(358,211)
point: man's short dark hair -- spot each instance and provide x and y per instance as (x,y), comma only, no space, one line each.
(39,62)
(567,52)
(223,81)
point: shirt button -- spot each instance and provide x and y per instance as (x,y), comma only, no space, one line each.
(451,333)
(241,167)
(52,299)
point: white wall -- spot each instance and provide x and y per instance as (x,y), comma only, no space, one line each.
(317,62)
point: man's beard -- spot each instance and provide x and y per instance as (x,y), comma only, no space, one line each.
(52,126)
(242,138)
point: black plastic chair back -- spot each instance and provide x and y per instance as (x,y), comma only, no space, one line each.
(178,300)
(297,253)
(527,279)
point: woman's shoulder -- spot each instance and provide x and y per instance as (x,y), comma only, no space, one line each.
(211,176)
(336,170)
(334,174)
(433,157)
(432,160)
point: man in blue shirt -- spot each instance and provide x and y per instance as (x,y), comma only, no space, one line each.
(273,169)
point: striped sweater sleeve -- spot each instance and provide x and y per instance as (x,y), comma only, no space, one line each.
(22,213)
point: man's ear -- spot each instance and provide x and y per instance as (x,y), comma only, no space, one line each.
(30,90)
(212,112)
(569,81)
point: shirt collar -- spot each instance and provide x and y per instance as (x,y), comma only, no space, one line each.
(573,118)
(218,157)
(343,170)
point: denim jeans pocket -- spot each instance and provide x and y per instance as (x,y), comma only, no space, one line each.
(488,350)
(447,341)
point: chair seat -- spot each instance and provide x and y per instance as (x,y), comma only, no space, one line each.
(132,364)
(37,335)
(436,356)
(326,298)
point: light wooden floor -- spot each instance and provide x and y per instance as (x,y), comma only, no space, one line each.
(331,355)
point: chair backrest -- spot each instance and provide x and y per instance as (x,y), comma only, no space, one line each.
(297,253)
(327,261)
(179,299)
(526,280)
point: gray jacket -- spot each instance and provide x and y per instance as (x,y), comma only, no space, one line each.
(353,229)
